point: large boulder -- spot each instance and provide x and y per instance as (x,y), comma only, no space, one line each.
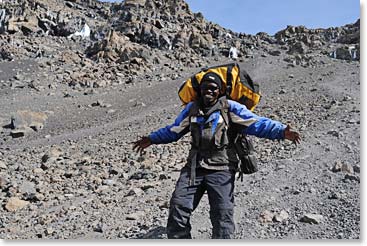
(181,40)
(346,53)
(116,47)
(28,119)
(24,121)
(298,48)
(110,48)
(27,25)
(198,40)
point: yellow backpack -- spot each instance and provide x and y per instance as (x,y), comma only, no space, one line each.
(237,85)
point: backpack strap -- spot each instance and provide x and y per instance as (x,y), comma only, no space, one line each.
(195,85)
(229,79)
(224,110)
(193,111)
(236,137)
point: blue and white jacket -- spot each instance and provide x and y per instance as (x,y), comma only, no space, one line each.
(252,124)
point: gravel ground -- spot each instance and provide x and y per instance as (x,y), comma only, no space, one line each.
(77,177)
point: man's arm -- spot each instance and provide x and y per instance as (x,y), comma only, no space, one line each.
(168,134)
(175,131)
(260,126)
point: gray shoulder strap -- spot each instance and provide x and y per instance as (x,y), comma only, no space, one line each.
(194,110)
(225,110)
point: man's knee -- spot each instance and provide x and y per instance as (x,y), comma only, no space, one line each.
(222,222)
(222,216)
(178,224)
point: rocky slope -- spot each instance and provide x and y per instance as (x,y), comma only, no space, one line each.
(72,105)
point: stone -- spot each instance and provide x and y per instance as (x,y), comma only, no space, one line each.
(344,53)
(135,216)
(135,192)
(14,204)
(275,52)
(351,177)
(3,165)
(52,154)
(49,231)
(312,218)
(337,167)
(347,168)
(108,182)
(344,167)
(25,119)
(283,215)
(298,48)
(334,195)
(27,188)
(21,132)
(3,182)
(266,216)
(38,171)
(334,133)
(357,168)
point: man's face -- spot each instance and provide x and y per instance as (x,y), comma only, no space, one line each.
(209,93)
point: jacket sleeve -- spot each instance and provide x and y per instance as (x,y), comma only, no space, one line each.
(175,131)
(253,124)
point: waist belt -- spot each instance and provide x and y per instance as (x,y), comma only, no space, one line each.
(194,160)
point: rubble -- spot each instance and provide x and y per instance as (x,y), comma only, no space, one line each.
(71,107)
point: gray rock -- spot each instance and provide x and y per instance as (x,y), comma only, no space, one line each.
(27,119)
(275,52)
(135,192)
(52,154)
(27,188)
(3,165)
(298,48)
(138,215)
(334,133)
(266,216)
(14,204)
(20,132)
(312,218)
(108,182)
(341,166)
(346,53)
(3,181)
(351,177)
(280,217)
(334,195)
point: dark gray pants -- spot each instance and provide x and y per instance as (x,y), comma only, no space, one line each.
(219,186)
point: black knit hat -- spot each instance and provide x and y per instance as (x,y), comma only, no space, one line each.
(213,78)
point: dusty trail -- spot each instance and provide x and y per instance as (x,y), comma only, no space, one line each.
(124,195)
(74,175)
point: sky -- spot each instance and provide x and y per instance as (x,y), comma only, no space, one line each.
(271,16)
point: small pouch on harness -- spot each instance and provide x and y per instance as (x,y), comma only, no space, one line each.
(246,153)
(243,146)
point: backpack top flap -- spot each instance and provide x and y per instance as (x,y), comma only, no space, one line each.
(190,89)
(237,85)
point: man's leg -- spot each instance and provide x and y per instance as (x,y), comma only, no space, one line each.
(220,185)
(184,200)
